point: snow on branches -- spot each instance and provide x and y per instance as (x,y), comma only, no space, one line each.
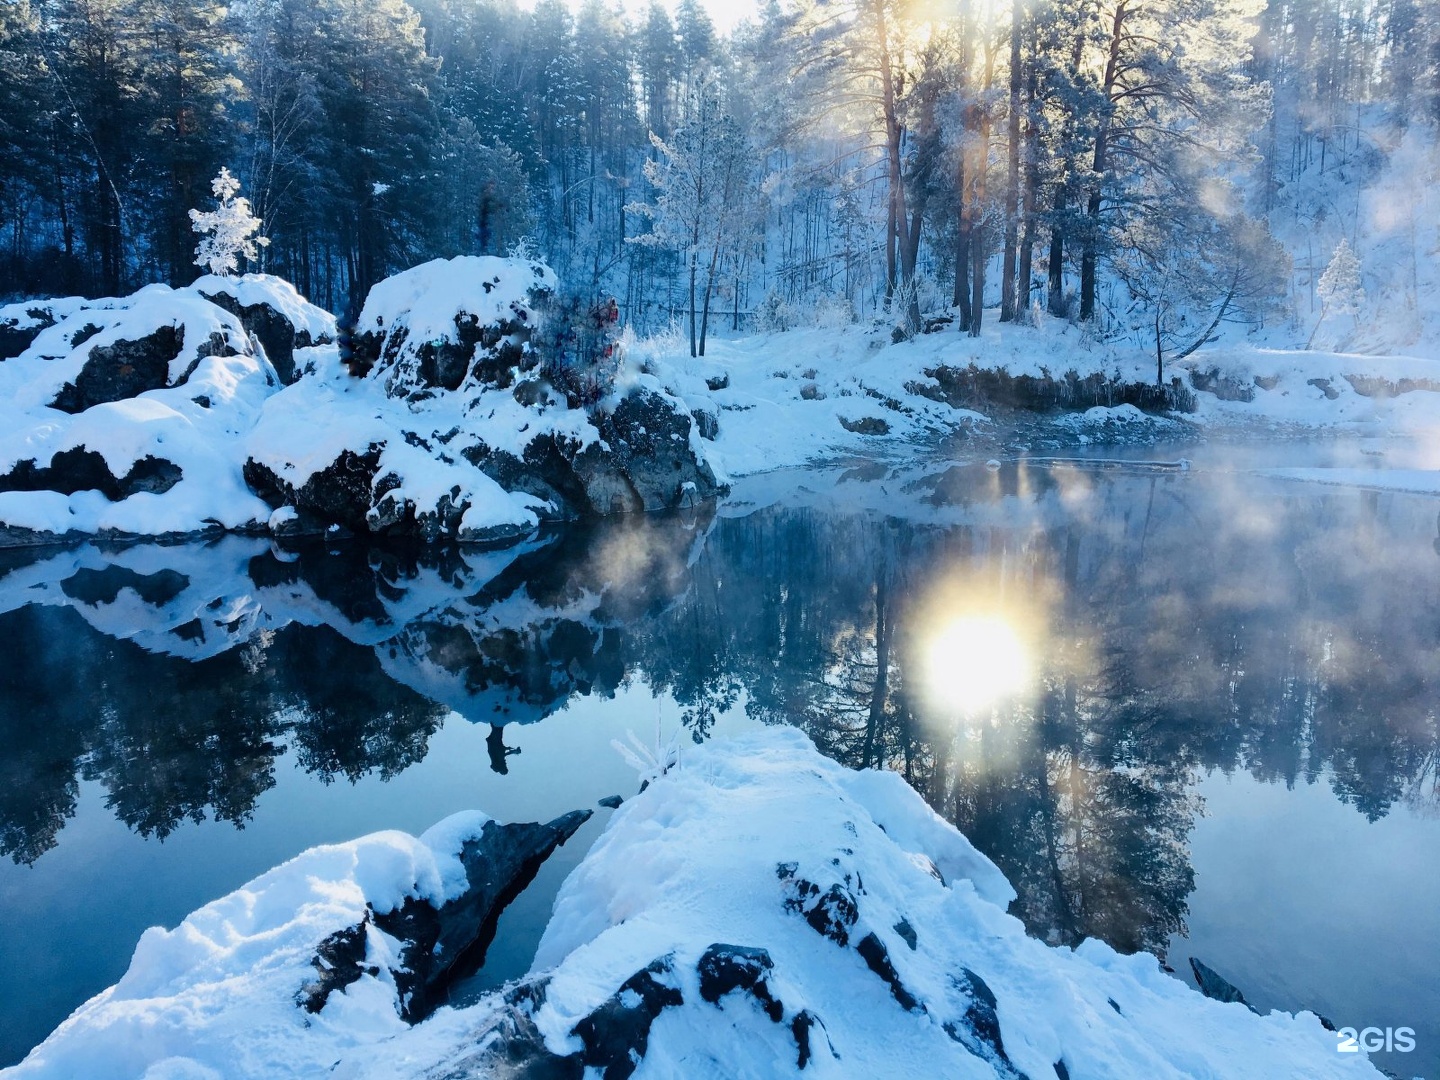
(228,231)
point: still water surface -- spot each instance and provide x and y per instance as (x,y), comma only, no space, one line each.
(1211,730)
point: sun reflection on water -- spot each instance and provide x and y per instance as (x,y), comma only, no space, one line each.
(975,661)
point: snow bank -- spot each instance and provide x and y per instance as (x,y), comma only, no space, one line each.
(757,911)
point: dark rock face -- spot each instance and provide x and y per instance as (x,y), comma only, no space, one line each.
(832,912)
(276,334)
(877,958)
(498,865)
(642,462)
(978,1030)
(122,370)
(649,466)
(489,352)
(79,469)
(1323,385)
(1222,386)
(866,425)
(617,1034)
(978,388)
(725,969)
(1371,386)
(14,340)
(1214,985)
(339,494)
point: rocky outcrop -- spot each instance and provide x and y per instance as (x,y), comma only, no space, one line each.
(435,939)
(987,389)
(643,460)
(79,469)
(467,409)
(126,369)
(142,395)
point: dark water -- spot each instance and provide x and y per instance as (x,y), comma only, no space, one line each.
(1226,725)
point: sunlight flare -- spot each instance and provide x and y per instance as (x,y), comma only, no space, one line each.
(975,661)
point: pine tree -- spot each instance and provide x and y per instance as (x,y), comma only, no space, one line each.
(228,231)
(1340,288)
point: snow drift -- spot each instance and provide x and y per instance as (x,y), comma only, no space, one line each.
(757,910)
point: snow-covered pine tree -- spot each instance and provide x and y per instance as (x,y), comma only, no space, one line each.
(1340,289)
(228,231)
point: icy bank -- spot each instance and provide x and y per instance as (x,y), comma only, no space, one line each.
(757,910)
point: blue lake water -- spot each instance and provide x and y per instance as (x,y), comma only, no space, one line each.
(1218,739)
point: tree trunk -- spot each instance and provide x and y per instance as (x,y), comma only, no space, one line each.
(1091,239)
(692,302)
(1057,251)
(962,250)
(1012,186)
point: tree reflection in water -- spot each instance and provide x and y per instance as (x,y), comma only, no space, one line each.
(1176,625)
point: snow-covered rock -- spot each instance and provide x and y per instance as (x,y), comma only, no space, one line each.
(445,423)
(123,416)
(273,311)
(756,911)
(449,322)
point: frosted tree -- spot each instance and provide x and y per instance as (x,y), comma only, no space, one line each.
(1340,289)
(228,231)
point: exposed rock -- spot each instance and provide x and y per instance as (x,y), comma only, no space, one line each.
(617,1033)
(1213,985)
(877,958)
(706,423)
(79,469)
(723,969)
(832,913)
(1323,385)
(979,1027)
(1373,386)
(123,370)
(1267,382)
(907,933)
(610,802)
(718,382)
(446,323)
(18,330)
(1223,386)
(273,330)
(339,494)
(866,425)
(973,387)
(498,866)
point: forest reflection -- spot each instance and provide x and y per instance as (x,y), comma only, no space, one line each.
(1170,625)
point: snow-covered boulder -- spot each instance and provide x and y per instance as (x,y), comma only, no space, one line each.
(21,323)
(446,420)
(122,416)
(449,322)
(757,910)
(272,311)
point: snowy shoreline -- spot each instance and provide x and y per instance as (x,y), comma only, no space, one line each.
(755,897)
(460,432)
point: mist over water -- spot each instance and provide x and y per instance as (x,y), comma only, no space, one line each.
(1210,710)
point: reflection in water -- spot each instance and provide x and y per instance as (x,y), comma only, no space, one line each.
(1053,657)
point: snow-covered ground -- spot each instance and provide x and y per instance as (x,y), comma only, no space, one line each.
(429,454)
(758,910)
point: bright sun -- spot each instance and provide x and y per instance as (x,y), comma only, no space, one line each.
(974,661)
